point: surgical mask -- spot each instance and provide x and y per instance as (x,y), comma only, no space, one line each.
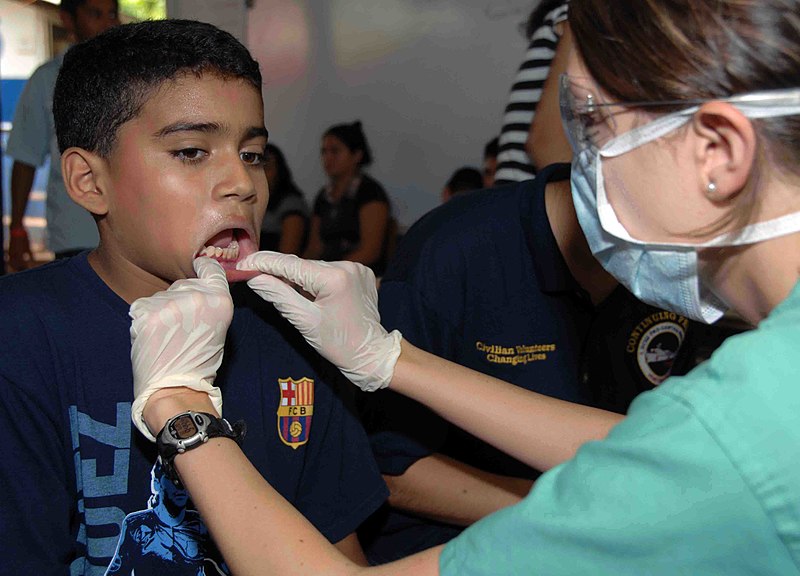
(662,274)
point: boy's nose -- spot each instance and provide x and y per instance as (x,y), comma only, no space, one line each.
(237,183)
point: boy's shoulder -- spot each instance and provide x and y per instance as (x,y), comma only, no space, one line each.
(35,284)
(61,292)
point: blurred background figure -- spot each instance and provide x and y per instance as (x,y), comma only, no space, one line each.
(351,219)
(464,179)
(285,225)
(70,228)
(490,161)
(535,91)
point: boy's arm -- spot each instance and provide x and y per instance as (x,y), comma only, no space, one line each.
(351,548)
(434,486)
(450,491)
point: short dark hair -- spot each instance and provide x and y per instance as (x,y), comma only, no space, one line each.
(465,179)
(492,148)
(104,82)
(71,6)
(352,135)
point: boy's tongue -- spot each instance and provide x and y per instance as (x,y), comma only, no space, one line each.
(222,240)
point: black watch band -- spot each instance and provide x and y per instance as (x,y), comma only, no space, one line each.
(189,430)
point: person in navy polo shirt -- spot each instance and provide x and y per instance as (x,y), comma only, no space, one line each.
(502,282)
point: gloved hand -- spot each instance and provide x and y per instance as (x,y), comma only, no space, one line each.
(341,322)
(177,337)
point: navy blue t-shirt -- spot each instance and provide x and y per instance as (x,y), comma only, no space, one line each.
(80,489)
(481,281)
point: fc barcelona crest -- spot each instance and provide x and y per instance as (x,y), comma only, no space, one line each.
(295,411)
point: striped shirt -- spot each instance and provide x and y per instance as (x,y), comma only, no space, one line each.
(513,163)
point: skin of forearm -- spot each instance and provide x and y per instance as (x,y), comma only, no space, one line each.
(21,184)
(255,528)
(536,429)
(446,490)
(172,401)
(259,532)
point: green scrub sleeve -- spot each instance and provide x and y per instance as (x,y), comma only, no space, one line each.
(659,496)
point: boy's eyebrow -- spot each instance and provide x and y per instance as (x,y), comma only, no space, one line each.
(188,127)
(254,132)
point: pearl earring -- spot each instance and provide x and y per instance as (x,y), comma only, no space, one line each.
(711,187)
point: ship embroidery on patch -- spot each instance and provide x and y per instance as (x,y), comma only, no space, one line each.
(295,411)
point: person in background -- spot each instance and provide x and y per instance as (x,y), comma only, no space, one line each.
(544,30)
(285,223)
(686,185)
(502,282)
(465,179)
(490,161)
(351,214)
(32,141)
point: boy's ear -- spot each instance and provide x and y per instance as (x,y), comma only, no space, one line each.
(83,173)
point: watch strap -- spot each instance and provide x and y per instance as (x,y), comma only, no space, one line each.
(208,426)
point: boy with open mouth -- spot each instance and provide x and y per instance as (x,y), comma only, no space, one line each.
(162,136)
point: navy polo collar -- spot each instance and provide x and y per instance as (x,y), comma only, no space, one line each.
(552,272)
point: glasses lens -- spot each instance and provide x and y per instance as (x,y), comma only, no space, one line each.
(572,127)
(586,119)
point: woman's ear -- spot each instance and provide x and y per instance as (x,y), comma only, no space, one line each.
(83,173)
(725,150)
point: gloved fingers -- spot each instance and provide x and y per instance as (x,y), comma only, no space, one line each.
(281,294)
(211,272)
(304,273)
(210,278)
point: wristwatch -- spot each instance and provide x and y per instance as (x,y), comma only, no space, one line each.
(189,430)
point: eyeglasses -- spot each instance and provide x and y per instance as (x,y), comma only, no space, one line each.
(589,121)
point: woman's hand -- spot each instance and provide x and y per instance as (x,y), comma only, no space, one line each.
(177,338)
(338,315)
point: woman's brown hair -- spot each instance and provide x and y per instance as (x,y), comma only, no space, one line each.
(662,50)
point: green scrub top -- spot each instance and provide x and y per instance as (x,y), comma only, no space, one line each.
(701,478)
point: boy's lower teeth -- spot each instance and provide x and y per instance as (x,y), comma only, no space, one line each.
(229,253)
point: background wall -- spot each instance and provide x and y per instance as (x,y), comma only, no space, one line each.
(428,79)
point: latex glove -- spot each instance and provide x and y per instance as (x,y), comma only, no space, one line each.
(177,337)
(341,322)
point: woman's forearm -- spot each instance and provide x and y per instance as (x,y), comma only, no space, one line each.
(536,429)
(255,528)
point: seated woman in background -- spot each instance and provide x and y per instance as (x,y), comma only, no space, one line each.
(285,225)
(351,213)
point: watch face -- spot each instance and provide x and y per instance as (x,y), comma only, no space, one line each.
(184,427)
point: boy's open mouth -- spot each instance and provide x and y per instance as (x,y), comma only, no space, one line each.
(223,247)
(228,247)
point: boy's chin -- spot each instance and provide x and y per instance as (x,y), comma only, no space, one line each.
(240,275)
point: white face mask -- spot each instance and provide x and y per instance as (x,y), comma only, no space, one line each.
(662,274)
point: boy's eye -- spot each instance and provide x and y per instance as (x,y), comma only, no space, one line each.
(189,155)
(252,158)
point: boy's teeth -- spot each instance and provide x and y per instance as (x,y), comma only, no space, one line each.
(231,252)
